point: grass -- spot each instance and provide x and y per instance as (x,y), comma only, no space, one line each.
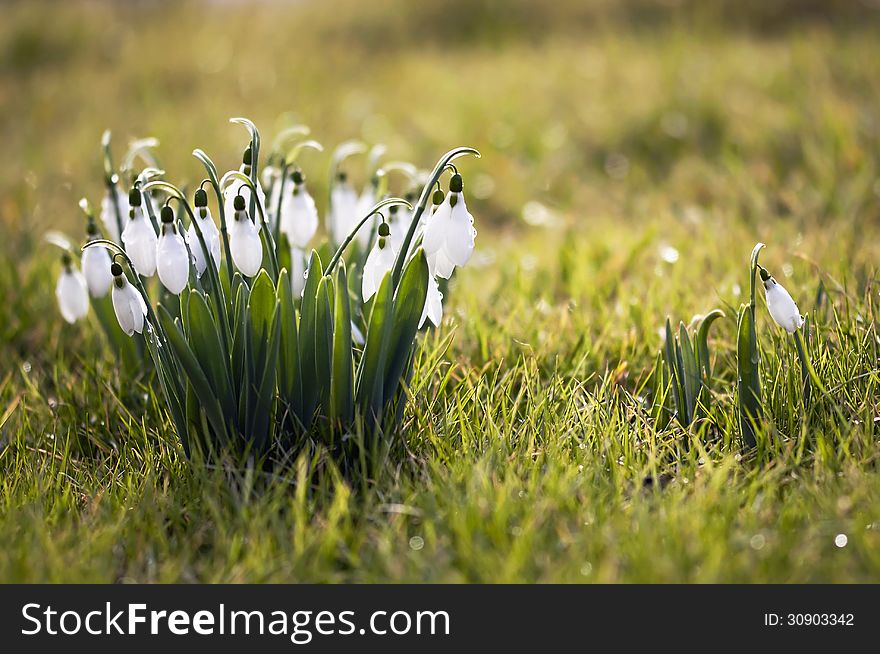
(628,170)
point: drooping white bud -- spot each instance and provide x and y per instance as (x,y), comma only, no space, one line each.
(140,240)
(72,293)
(172,259)
(96,269)
(449,234)
(781,306)
(245,245)
(128,304)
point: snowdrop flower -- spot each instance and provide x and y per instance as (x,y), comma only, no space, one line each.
(379,262)
(209,232)
(71,292)
(299,215)
(244,240)
(231,193)
(172,257)
(108,212)
(366,201)
(128,304)
(96,265)
(139,238)
(450,233)
(782,308)
(433,310)
(343,212)
(298,264)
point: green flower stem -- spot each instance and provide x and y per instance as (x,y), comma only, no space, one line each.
(348,239)
(424,198)
(285,166)
(806,367)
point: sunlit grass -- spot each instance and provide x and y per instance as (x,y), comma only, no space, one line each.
(653,162)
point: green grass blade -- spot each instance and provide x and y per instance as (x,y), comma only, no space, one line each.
(342,384)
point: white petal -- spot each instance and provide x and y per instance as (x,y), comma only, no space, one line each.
(129,307)
(436,228)
(96,269)
(172,261)
(343,212)
(239,188)
(140,244)
(379,262)
(299,217)
(245,246)
(72,295)
(782,308)
(460,240)
(433,310)
(439,264)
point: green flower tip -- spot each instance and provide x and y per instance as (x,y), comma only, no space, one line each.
(341,177)
(116,269)
(66,260)
(764,274)
(298,177)
(167,215)
(134,197)
(381,242)
(384,230)
(238,203)
(247,157)
(201,199)
(437,198)
(456,184)
(91,229)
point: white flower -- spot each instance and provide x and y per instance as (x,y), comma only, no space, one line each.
(782,308)
(96,269)
(433,310)
(450,233)
(212,239)
(108,212)
(232,191)
(244,241)
(379,262)
(140,241)
(343,212)
(299,215)
(172,257)
(298,266)
(72,293)
(128,304)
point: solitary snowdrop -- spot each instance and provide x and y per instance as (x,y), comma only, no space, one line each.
(172,257)
(244,240)
(782,308)
(433,310)
(71,292)
(450,233)
(299,215)
(96,266)
(379,262)
(209,232)
(139,237)
(109,209)
(343,212)
(128,304)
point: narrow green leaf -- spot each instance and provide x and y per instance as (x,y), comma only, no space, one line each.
(289,377)
(307,338)
(371,371)
(690,371)
(749,384)
(324,341)
(408,306)
(342,383)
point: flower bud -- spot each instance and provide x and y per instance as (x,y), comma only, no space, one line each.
(134,197)
(437,197)
(201,198)
(167,215)
(238,203)
(456,184)
(298,177)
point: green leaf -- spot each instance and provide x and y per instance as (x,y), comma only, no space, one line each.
(307,338)
(674,373)
(324,341)
(289,377)
(408,306)
(195,375)
(749,384)
(204,339)
(691,373)
(371,372)
(702,344)
(342,382)
(264,388)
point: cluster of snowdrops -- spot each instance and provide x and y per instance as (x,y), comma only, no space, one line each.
(254,337)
